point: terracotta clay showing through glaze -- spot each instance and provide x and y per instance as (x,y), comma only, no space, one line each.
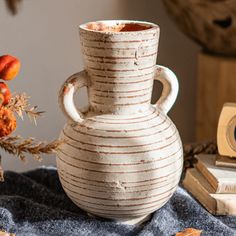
(122,158)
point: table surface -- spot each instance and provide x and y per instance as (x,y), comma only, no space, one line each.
(34,203)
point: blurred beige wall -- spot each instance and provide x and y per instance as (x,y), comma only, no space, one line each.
(44,35)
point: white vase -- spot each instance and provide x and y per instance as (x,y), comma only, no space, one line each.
(122,158)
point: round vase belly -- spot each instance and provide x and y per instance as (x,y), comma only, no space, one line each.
(121,167)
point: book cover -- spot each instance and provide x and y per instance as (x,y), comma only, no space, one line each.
(222,179)
(217,204)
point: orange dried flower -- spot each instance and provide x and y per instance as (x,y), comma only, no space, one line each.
(9,67)
(7,121)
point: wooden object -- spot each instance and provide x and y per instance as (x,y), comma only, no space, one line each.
(216,85)
(223,180)
(226,132)
(210,23)
(215,203)
(225,161)
(123,158)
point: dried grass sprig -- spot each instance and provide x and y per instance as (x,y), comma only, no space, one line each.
(20,105)
(16,145)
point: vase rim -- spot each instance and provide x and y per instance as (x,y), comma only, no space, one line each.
(118,26)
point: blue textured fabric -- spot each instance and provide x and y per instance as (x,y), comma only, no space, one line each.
(34,203)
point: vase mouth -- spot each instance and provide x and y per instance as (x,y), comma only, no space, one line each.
(118,26)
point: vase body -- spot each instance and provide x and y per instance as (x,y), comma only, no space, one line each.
(122,158)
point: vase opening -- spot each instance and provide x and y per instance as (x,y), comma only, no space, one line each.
(118,27)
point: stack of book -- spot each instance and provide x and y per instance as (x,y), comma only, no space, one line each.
(213,183)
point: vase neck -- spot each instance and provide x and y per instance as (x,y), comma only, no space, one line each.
(120,65)
(129,96)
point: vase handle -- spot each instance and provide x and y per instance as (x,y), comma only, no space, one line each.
(170,88)
(66,95)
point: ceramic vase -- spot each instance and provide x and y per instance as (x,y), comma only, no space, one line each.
(121,158)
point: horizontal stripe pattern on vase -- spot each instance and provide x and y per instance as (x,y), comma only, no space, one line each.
(120,169)
(102,175)
(136,205)
(112,198)
(114,186)
(117,189)
(119,65)
(141,63)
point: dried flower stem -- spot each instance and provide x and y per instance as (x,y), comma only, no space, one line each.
(18,146)
(20,104)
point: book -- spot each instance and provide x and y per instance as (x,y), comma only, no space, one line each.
(222,179)
(225,161)
(215,203)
